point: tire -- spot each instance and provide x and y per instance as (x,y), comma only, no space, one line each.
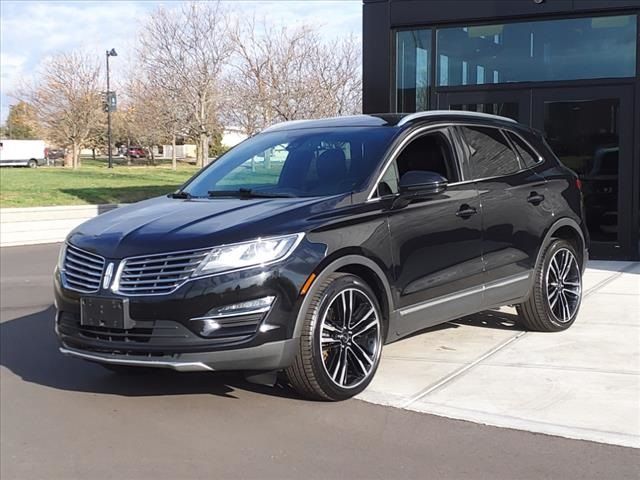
(32,163)
(342,362)
(556,294)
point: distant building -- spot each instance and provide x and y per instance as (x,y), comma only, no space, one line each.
(231,136)
(186,151)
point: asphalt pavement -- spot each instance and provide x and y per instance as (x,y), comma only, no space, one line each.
(64,418)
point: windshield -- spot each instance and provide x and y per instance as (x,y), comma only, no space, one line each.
(295,163)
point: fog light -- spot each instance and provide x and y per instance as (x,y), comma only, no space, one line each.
(236,319)
(208,326)
(249,307)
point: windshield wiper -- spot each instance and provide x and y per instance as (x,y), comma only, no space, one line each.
(183,195)
(247,193)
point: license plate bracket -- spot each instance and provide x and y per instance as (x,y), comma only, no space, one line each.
(105,312)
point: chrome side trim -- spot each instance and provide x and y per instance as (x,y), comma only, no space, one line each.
(465,293)
(179,366)
(462,113)
(436,301)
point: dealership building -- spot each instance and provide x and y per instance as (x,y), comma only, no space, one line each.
(569,68)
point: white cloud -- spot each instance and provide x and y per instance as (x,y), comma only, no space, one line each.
(32,30)
(11,71)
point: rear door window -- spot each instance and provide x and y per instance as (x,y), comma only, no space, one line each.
(490,154)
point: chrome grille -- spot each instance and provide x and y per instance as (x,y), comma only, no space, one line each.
(82,270)
(158,274)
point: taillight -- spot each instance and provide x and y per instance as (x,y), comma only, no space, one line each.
(579,184)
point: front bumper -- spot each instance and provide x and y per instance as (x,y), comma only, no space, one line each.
(162,330)
(268,356)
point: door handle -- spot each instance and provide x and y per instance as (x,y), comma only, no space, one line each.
(535,198)
(465,211)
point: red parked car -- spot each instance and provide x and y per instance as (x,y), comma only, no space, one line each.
(136,152)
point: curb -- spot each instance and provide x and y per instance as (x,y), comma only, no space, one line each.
(35,225)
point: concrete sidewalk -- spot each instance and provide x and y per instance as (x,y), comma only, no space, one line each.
(583,383)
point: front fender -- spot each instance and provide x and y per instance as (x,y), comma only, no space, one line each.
(333,267)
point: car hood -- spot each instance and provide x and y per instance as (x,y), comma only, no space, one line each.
(165,224)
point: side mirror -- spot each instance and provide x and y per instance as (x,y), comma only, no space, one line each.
(417,184)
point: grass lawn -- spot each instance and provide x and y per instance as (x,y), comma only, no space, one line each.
(93,183)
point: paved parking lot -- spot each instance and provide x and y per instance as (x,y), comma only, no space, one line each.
(64,418)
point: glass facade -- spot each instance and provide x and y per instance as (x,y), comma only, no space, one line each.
(585,136)
(571,49)
(504,109)
(550,50)
(413,70)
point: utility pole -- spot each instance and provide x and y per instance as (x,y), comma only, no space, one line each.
(110,53)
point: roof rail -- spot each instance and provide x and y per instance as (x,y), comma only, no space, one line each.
(462,113)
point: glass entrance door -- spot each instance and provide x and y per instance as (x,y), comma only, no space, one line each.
(507,103)
(585,129)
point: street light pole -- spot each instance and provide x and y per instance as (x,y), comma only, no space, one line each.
(110,53)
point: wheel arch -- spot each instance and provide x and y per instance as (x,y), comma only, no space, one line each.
(566,229)
(360,266)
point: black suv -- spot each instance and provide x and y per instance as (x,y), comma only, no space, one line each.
(310,245)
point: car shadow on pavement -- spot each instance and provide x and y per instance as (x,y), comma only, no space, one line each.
(496,319)
(29,349)
(488,319)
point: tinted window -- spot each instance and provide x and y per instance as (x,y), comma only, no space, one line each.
(431,152)
(586,136)
(490,152)
(413,60)
(567,49)
(528,156)
(304,163)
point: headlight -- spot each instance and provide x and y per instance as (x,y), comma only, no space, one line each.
(248,254)
(61,254)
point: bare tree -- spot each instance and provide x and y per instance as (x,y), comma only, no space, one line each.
(154,115)
(289,74)
(67,102)
(184,53)
(337,78)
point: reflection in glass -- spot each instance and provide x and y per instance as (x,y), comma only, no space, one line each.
(567,49)
(585,136)
(413,59)
(504,109)
(491,154)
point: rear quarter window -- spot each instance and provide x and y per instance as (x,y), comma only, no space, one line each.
(528,156)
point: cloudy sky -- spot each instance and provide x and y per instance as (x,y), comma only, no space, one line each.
(31,31)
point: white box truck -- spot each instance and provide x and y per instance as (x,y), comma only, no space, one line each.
(25,153)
